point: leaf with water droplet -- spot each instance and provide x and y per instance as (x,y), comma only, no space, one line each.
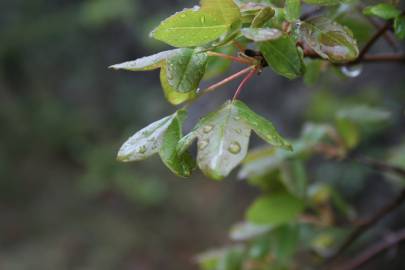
(329,39)
(283,56)
(185,69)
(223,138)
(262,127)
(261,34)
(159,137)
(146,63)
(196,27)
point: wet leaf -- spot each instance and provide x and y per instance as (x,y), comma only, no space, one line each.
(283,57)
(173,96)
(329,39)
(185,69)
(223,138)
(261,34)
(198,26)
(159,137)
(275,209)
(146,63)
(382,10)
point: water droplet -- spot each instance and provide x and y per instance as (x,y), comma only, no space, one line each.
(238,130)
(236,118)
(352,71)
(234,148)
(203,144)
(183,15)
(208,128)
(142,149)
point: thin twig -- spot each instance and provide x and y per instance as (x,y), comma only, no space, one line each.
(244,81)
(384,57)
(230,57)
(365,225)
(387,35)
(226,80)
(373,39)
(379,247)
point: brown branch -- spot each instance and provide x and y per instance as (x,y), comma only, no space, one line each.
(388,36)
(373,40)
(379,247)
(386,57)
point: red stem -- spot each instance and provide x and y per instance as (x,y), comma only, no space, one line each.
(244,81)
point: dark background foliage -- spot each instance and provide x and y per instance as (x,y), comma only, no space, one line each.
(65,203)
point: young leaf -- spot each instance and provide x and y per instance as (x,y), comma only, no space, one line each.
(330,40)
(185,69)
(262,17)
(275,209)
(292,10)
(159,137)
(146,63)
(198,26)
(283,57)
(382,10)
(223,138)
(261,34)
(399,27)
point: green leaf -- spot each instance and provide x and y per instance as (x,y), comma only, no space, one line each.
(181,71)
(159,137)
(262,17)
(173,96)
(226,10)
(264,160)
(323,2)
(382,10)
(228,258)
(363,114)
(223,138)
(399,27)
(275,209)
(198,26)
(292,10)
(245,231)
(185,69)
(190,28)
(330,40)
(261,34)
(284,243)
(146,63)
(181,165)
(294,177)
(283,57)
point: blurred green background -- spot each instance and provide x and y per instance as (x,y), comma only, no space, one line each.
(65,203)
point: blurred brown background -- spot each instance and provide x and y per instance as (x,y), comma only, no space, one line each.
(65,203)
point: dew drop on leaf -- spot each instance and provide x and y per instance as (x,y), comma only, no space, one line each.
(234,148)
(208,128)
(202,144)
(236,118)
(352,71)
